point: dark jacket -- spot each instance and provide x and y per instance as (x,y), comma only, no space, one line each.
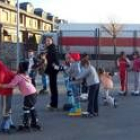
(52,58)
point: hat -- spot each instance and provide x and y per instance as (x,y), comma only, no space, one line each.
(84,55)
(75,56)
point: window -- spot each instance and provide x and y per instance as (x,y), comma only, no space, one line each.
(4,15)
(21,18)
(30,22)
(13,17)
(39,24)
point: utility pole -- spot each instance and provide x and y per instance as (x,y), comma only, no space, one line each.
(18,28)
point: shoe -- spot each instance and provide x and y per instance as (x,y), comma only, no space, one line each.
(36,127)
(50,108)
(95,114)
(43,91)
(12,127)
(84,97)
(5,125)
(76,112)
(25,128)
(122,93)
(87,115)
(6,131)
(135,93)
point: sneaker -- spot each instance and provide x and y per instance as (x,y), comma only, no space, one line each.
(43,91)
(23,128)
(87,115)
(6,131)
(95,114)
(36,127)
(50,108)
(136,93)
(122,93)
(12,126)
(84,97)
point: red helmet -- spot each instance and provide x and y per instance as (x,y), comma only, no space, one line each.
(75,56)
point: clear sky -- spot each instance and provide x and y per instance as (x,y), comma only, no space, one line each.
(92,11)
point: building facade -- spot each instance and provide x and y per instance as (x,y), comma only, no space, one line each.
(33,22)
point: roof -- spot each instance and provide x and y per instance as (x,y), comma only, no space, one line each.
(39,12)
(24,5)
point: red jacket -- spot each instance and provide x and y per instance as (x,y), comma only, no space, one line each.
(5,77)
(123,64)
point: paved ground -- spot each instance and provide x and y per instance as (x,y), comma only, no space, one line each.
(122,123)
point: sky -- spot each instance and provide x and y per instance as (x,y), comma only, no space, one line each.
(92,11)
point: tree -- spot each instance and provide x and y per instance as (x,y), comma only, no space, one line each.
(113,29)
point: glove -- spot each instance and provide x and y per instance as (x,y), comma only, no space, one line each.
(56,67)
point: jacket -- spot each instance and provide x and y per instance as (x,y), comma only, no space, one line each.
(52,58)
(23,82)
(90,75)
(136,64)
(5,77)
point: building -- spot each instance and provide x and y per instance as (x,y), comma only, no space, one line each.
(33,22)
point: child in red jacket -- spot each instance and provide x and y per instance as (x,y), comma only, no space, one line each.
(123,62)
(6,96)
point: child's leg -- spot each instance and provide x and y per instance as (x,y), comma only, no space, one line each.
(70,95)
(93,99)
(109,99)
(26,111)
(123,80)
(44,81)
(33,113)
(96,99)
(6,111)
(104,96)
(136,81)
(76,110)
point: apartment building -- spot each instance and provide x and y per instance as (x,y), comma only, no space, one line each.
(33,22)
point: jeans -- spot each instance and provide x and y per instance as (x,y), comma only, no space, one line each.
(76,94)
(44,81)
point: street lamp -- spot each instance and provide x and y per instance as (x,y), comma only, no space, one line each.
(18,26)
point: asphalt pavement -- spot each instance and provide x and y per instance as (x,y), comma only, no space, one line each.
(121,123)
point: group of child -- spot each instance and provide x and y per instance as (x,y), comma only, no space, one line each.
(124,64)
(10,80)
(76,69)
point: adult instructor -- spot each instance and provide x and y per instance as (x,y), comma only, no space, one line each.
(52,71)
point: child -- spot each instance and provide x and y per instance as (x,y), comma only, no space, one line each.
(106,80)
(70,99)
(136,69)
(123,63)
(92,79)
(41,66)
(74,71)
(32,66)
(6,97)
(23,81)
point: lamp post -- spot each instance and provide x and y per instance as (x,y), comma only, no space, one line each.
(18,26)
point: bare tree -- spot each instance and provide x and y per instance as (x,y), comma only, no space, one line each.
(113,29)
